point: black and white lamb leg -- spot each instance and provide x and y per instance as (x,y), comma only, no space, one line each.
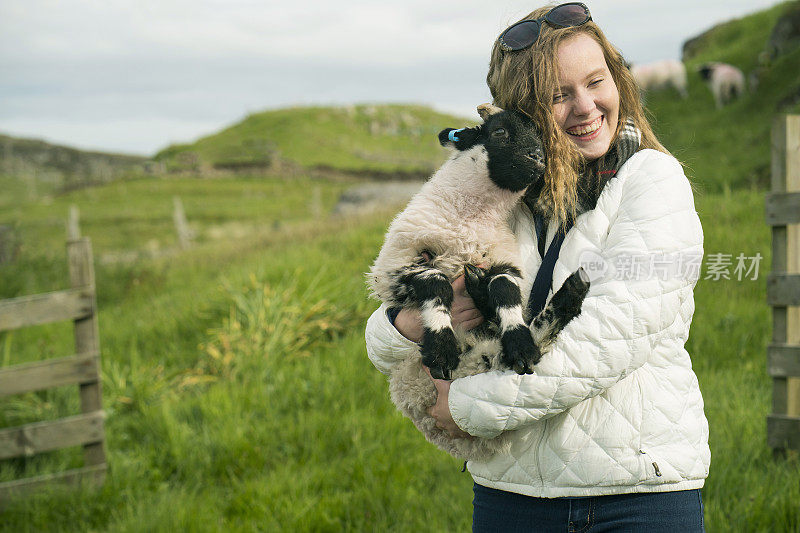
(520,352)
(430,291)
(562,307)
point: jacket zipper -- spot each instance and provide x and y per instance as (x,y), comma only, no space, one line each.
(655,465)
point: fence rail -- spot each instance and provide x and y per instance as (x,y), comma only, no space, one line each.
(783,289)
(40,437)
(39,309)
(89,474)
(76,369)
(781,208)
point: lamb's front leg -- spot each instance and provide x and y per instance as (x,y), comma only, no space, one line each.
(497,291)
(561,309)
(430,290)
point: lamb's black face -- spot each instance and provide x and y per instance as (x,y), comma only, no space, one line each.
(516,153)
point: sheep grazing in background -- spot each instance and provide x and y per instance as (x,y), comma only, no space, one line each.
(460,218)
(725,81)
(661,75)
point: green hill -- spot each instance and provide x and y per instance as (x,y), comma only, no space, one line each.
(369,139)
(730,148)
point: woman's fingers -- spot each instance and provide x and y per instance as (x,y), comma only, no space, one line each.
(440,410)
(463,312)
(472,323)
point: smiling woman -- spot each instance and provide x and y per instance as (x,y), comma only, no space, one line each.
(609,432)
(586,105)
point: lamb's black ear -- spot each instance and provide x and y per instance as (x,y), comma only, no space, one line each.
(460,139)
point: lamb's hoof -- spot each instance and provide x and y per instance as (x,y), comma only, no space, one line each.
(520,353)
(473,275)
(439,373)
(578,283)
(521,367)
(440,352)
(567,300)
(477,284)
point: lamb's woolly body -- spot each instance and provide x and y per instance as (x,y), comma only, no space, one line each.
(459,215)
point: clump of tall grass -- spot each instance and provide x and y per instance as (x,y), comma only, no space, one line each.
(269,324)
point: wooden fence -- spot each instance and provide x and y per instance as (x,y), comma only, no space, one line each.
(86,429)
(783,285)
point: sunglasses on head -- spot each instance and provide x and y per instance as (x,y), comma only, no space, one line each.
(524,33)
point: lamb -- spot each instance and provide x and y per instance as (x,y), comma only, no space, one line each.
(661,75)
(725,81)
(460,219)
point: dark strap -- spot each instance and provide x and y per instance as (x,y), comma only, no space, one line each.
(541,233)
(392,313)
(544,277)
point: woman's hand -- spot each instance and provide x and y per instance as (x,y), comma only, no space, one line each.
(441,409)
(463,314)
(409,323)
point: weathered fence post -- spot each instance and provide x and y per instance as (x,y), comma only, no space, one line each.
(783,285)
(87,339)
(73,224)
(181,225)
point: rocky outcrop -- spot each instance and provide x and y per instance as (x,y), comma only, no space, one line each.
(785,35)
(66,167)
(374,196)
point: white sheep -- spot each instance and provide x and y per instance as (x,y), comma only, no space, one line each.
(459,219)
(661,75)
(725,81)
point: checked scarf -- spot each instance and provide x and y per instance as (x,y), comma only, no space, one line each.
(598,172)
(590,184)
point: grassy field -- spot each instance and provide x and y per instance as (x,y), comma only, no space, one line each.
(239,395)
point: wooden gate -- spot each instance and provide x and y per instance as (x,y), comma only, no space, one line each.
(783,285)
(86,429)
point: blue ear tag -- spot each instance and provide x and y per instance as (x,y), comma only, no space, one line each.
(452,134)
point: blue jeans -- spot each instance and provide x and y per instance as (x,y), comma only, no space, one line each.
(668,512)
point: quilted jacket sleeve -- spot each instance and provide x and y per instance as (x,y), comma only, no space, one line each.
(385,345)
(626,320)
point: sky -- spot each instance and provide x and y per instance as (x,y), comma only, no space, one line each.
(134,76)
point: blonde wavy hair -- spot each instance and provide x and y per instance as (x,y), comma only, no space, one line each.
(526,80)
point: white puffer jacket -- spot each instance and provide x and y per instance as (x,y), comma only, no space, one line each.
(614,407)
